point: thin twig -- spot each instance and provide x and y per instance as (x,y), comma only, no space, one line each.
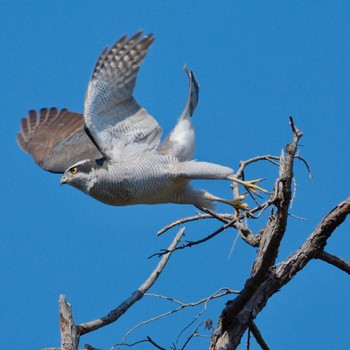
(297,156)
(193,243)
(218,294)
(155,344)
(148,340)
(199,216)
(297,217)
(245,163)
(194,333)
(194,319)
(263,206)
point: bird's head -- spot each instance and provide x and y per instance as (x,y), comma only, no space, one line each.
(82,175)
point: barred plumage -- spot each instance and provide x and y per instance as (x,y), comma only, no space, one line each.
(113,152)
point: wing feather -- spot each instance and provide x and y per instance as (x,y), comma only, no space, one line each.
(55,139)
(117,123)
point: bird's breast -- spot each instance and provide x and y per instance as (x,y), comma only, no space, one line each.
(143,182)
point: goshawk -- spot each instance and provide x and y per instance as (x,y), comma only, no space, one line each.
(113,152)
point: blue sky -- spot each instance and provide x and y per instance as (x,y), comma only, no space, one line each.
(257,63)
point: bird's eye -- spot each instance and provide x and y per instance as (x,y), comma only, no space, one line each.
(74,170)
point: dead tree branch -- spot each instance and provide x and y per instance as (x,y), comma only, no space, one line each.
(266,279)
(199,216)
(192,335)
(147,340)
(181,305)
(334,260)
(315,244)
(258,337)
(243,164)
(69,335)
(137,295)
(277,278)
(188,244)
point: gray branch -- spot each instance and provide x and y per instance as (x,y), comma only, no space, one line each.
(334,260)
(87,327)
(70,333)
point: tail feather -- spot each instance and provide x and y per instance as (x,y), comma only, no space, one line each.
(180,142)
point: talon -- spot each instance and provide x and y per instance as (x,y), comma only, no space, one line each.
(236,203)
(249,185)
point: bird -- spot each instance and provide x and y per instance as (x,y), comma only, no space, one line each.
(113,151)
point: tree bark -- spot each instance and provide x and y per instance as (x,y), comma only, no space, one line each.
(237,319)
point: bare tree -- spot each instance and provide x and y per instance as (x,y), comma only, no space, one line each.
(266,277)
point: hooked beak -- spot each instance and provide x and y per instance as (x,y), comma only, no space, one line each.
(63,180)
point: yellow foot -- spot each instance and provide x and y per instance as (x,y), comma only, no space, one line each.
(236,203)
(249,185)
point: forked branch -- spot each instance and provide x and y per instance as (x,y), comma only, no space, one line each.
(267,278)
(222,292)
(70,333)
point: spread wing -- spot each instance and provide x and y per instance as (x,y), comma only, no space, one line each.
(180,142)
(118,124)
(56,139)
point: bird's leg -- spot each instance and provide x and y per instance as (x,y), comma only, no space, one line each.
(236,203)
(249,185)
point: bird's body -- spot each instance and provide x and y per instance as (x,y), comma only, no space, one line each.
(153,179)
(114,151)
